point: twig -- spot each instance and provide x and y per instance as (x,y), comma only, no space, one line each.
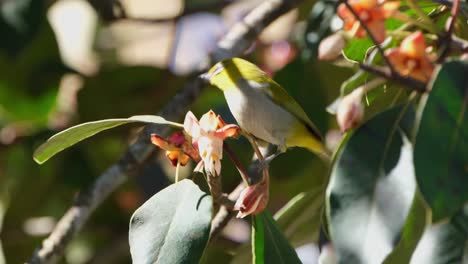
(234,43)
(371,36)
(225,214)
(409,82)
(448,35)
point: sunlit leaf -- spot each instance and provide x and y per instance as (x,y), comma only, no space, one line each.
(444,242)
(173,226)
(75,134)
(411,234)
(300,219)
(441,149)
(371,189)
(269,244)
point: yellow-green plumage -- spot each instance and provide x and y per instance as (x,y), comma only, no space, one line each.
(263,108)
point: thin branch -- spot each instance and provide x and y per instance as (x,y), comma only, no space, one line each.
(371,36)
(238,39)
(408,82)
(448,35)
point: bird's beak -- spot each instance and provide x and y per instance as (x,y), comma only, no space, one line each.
(205,77)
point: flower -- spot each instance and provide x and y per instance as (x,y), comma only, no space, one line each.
(208,135)
(330,47)
(252,200)
(411,59)
(350,111)
(178,148)
(371,12)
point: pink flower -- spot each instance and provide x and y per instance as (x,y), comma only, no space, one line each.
(178,148)
(252,200)
(411,59)
(371,12)
(208,135)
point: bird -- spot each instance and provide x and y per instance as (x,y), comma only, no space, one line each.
(263,108)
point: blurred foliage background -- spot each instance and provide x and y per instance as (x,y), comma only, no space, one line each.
(71,61)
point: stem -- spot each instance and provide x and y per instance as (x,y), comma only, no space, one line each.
(448,36)
(177,169)
(237,163)
(369,86)
(409,82)
(371,36)
(254,145)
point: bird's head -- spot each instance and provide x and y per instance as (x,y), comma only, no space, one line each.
(226,74)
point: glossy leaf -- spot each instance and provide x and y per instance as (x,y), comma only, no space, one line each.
(411,234)
(75,134)
(356,49)
(300,219)
(173,226)
(441,149)
(444,242)
(371,189)
(268,242)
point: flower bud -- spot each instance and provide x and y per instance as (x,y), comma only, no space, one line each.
(252,200)
(350,110)
(330,47)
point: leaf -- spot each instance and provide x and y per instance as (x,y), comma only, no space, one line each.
(356,49)
(441,149)
(268,243)
(173,226)
(412,232)
(300,219)
(371,189)
(445,242)
(75,134)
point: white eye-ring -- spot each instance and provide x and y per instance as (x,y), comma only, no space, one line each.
(219,67)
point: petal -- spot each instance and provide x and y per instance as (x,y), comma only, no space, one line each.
(365,4)
(377,28)
(414,45)
(228,131)
(178,138)
(162,143)
(191,125)
(209,121)
(173,156)
(389,8)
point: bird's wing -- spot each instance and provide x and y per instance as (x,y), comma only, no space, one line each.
(281,97)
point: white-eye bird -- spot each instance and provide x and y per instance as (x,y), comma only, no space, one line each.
(263,108)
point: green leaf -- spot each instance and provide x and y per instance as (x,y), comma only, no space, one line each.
(441,149)
(268,243)
(75,134)
(173,226)
(412,232)
(371,188)
(445,242)
(301,218)
(356,49)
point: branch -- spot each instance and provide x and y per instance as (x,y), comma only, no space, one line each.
(409,82)
(238,39)
(450,27)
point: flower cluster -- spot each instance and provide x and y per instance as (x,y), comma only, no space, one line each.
(200,141)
